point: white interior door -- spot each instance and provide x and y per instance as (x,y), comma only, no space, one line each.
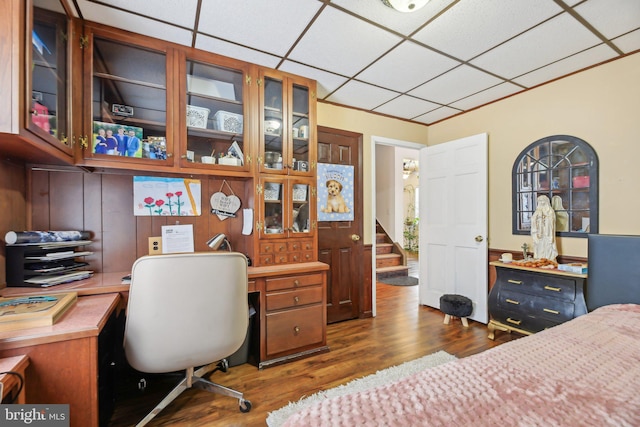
(453,222)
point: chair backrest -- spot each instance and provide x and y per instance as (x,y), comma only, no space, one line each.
(185,310)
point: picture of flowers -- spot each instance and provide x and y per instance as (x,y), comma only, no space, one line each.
(153,196)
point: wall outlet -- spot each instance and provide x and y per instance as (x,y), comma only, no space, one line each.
(155,245)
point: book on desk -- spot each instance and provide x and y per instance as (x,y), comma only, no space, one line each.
(32,311)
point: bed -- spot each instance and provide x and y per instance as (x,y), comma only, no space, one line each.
(585,372)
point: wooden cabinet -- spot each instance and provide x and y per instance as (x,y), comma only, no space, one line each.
(293,314)
(215,96)
(130,110)
(288,142)
(37,81)
(528,300)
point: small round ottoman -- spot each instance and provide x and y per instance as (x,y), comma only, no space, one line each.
(455,306)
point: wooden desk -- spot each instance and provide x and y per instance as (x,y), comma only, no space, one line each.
(63,357)
(16,364)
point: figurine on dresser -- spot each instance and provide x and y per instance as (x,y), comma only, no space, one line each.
(543,230)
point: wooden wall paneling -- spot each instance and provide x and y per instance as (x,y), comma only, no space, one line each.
(39,200)
(13,205)
(118,223)
(66,199)
(92,208)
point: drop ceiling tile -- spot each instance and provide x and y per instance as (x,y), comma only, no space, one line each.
(486,96)
(628,42)
(598,12)
(403,23)
(336,42)
(458,83)
(135,23)
(406,67)
(271,26)
(566,66)
(361,95)
(406,107)
(182,13)
(538,47)
(231,50)
(472,27)
(326,82)
(435,115)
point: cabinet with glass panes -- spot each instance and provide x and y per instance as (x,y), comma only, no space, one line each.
(287,124)
(286,223)
(215,100)
(565,169)
(127,101)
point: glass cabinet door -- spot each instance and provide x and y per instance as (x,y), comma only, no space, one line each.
(49,103)
(215,126)
(128,103)
(272,148)
(273,208)
(300,129)
(301,208)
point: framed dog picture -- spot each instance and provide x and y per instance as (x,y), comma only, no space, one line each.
(335,192)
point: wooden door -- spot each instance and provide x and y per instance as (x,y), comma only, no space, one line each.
(339,242)
(453,228)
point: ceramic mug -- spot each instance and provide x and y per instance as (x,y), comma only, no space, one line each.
(506,258)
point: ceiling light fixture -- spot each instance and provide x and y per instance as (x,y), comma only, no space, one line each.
(405,5)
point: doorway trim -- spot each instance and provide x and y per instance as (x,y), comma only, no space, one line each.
(380,140)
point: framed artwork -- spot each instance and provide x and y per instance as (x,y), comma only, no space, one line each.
(335,192)
(153,196)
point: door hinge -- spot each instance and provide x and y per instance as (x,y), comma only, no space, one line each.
(247,79)
(84,41)
(259,189)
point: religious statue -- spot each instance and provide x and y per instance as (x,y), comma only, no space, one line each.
(543,230)
(562,217)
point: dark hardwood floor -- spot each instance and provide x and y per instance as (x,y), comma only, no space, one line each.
(402,331)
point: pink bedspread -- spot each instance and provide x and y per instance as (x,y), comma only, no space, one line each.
(585,372)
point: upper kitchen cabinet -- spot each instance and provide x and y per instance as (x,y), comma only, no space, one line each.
(215,98)
(128,114)
(37,69)
(287,125)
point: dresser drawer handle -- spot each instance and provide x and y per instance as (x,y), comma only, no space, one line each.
(548,310)
(551,288)
(296,300)
(515,282)
(296,330)
(296,283)
(515,322)
(510,301)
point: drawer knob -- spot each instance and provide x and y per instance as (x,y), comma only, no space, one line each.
(548,310)
(296,283)
(515,322)
(296,300)
(296,330)
(515,282)
(510,301)
(551,288)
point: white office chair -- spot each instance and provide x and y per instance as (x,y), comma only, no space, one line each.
(186,311)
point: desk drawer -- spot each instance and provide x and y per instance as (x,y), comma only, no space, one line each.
(296,298)
(546,285)
(294,329)
(293,282)
(555,309)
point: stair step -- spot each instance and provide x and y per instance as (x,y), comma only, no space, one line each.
(388,260)
(384,248)
(381,238)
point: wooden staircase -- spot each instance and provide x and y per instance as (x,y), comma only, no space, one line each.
(391,260)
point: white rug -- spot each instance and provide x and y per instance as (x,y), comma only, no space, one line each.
(386,376)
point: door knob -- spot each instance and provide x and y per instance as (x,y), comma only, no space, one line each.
(355,237)
(479,238)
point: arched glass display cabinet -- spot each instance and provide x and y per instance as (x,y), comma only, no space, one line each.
(565,169)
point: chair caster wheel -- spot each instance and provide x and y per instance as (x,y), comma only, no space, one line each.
(245,406)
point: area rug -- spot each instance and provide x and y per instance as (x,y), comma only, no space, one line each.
(400,281)
(386,376)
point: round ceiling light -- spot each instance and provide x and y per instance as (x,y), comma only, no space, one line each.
(405,5)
